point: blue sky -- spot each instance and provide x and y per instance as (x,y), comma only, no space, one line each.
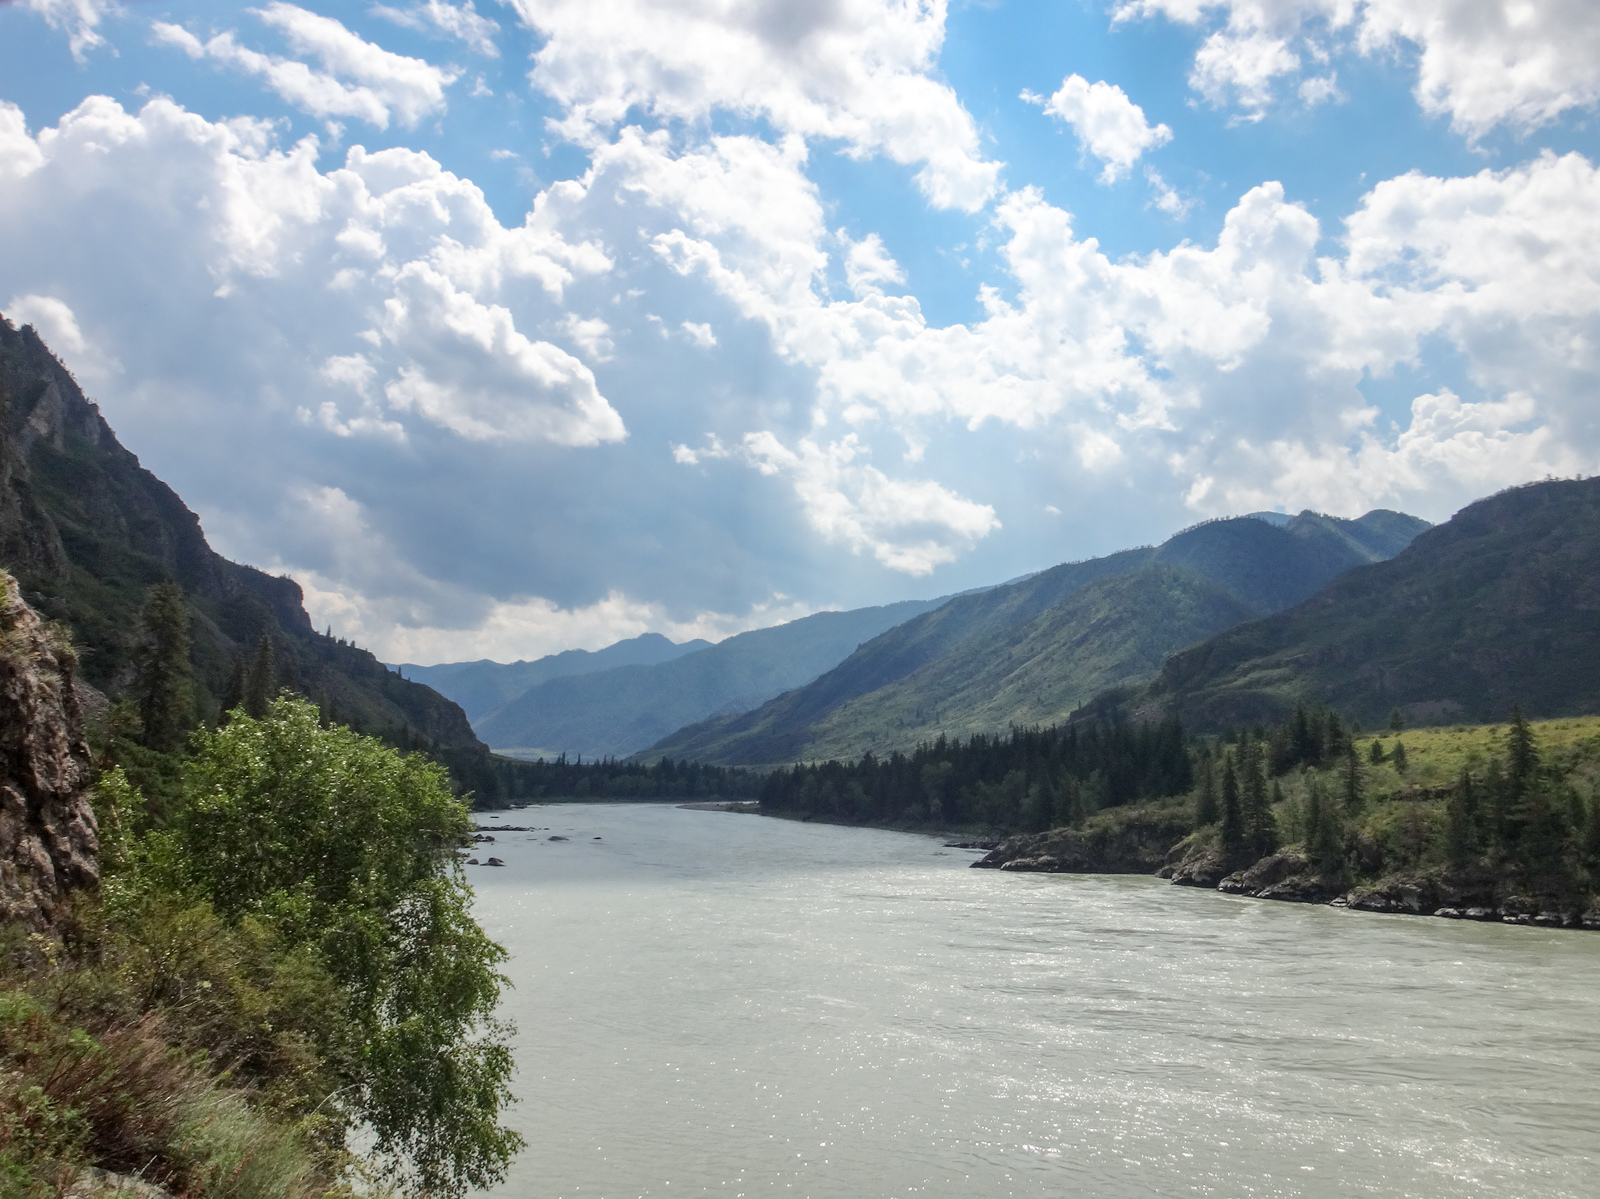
(516,325)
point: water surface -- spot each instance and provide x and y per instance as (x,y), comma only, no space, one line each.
(720,1004)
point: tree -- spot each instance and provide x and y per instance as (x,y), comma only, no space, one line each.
(233,696)
(1354,794)
(1398,757)
(261,683)
(1324,834)
(1260,829)
(1205,808)
(348,849)
(1590,848)
(1397,722)
(1375,755)
(1232,830)
(162,687)
(1522,757)
(1460,823)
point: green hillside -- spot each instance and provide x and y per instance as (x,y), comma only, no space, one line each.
(1032,651)
(85,529)
(622,710)
(1500,604)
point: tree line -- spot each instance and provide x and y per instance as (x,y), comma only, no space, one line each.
(1029,779)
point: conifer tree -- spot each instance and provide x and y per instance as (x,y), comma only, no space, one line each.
(1590,849)
(1399,756)
(1354,794)
(1522,756)
(1375,755)
(233,695)
(1206,803)
(1497,793)
(162,685)
(1397,722)
(261,683)
(1324,835)
(1232,830)
(1261,827)
(1460,822)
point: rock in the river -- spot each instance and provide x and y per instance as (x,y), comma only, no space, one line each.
(494,862)
(49,844)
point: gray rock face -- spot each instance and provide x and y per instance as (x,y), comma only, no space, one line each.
(49,844)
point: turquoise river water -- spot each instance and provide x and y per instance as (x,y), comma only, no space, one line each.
(721,1004)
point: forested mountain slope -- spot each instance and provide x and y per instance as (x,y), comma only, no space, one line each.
(86,529)
(1500,604)
(625,709)
(1032,651)
(483,686)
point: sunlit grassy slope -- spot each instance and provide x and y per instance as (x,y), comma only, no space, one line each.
(1435,757)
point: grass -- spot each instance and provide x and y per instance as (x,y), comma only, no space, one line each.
(1435,757)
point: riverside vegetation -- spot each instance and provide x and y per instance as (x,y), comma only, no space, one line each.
(1486,822)
(279,952)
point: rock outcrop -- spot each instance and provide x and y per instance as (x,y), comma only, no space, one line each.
(1136,841)
(48,840)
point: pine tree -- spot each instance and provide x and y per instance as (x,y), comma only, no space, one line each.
(1232,831)
(233,696)
(162,685)
(1399,756)
(1497,791)
(1590,848)
(1397,722)
(1324,836)
(1460,822)
(1206,803)
(1261,829)
(1522,757)
(1354,793)
(261,683)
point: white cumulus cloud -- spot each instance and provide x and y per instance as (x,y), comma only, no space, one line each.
(1108,124)
(856,71)
(1482,63)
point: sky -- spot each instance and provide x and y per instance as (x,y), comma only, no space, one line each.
(512,326)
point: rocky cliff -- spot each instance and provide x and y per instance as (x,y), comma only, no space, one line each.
(48,842)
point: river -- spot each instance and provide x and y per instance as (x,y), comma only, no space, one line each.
(729,1005)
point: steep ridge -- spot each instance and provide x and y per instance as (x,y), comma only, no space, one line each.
(984,662)
(625,709)
(483,686)
(1500,604)
(86,529)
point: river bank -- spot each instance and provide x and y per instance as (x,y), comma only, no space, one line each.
(1142,841)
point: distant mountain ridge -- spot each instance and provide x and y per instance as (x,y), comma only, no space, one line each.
(1032,651)
(1499,604)
(483,686)
(624,709)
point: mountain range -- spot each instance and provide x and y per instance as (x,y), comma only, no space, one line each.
(1499,604)
(483,687)
(1033,651)
(624,709)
